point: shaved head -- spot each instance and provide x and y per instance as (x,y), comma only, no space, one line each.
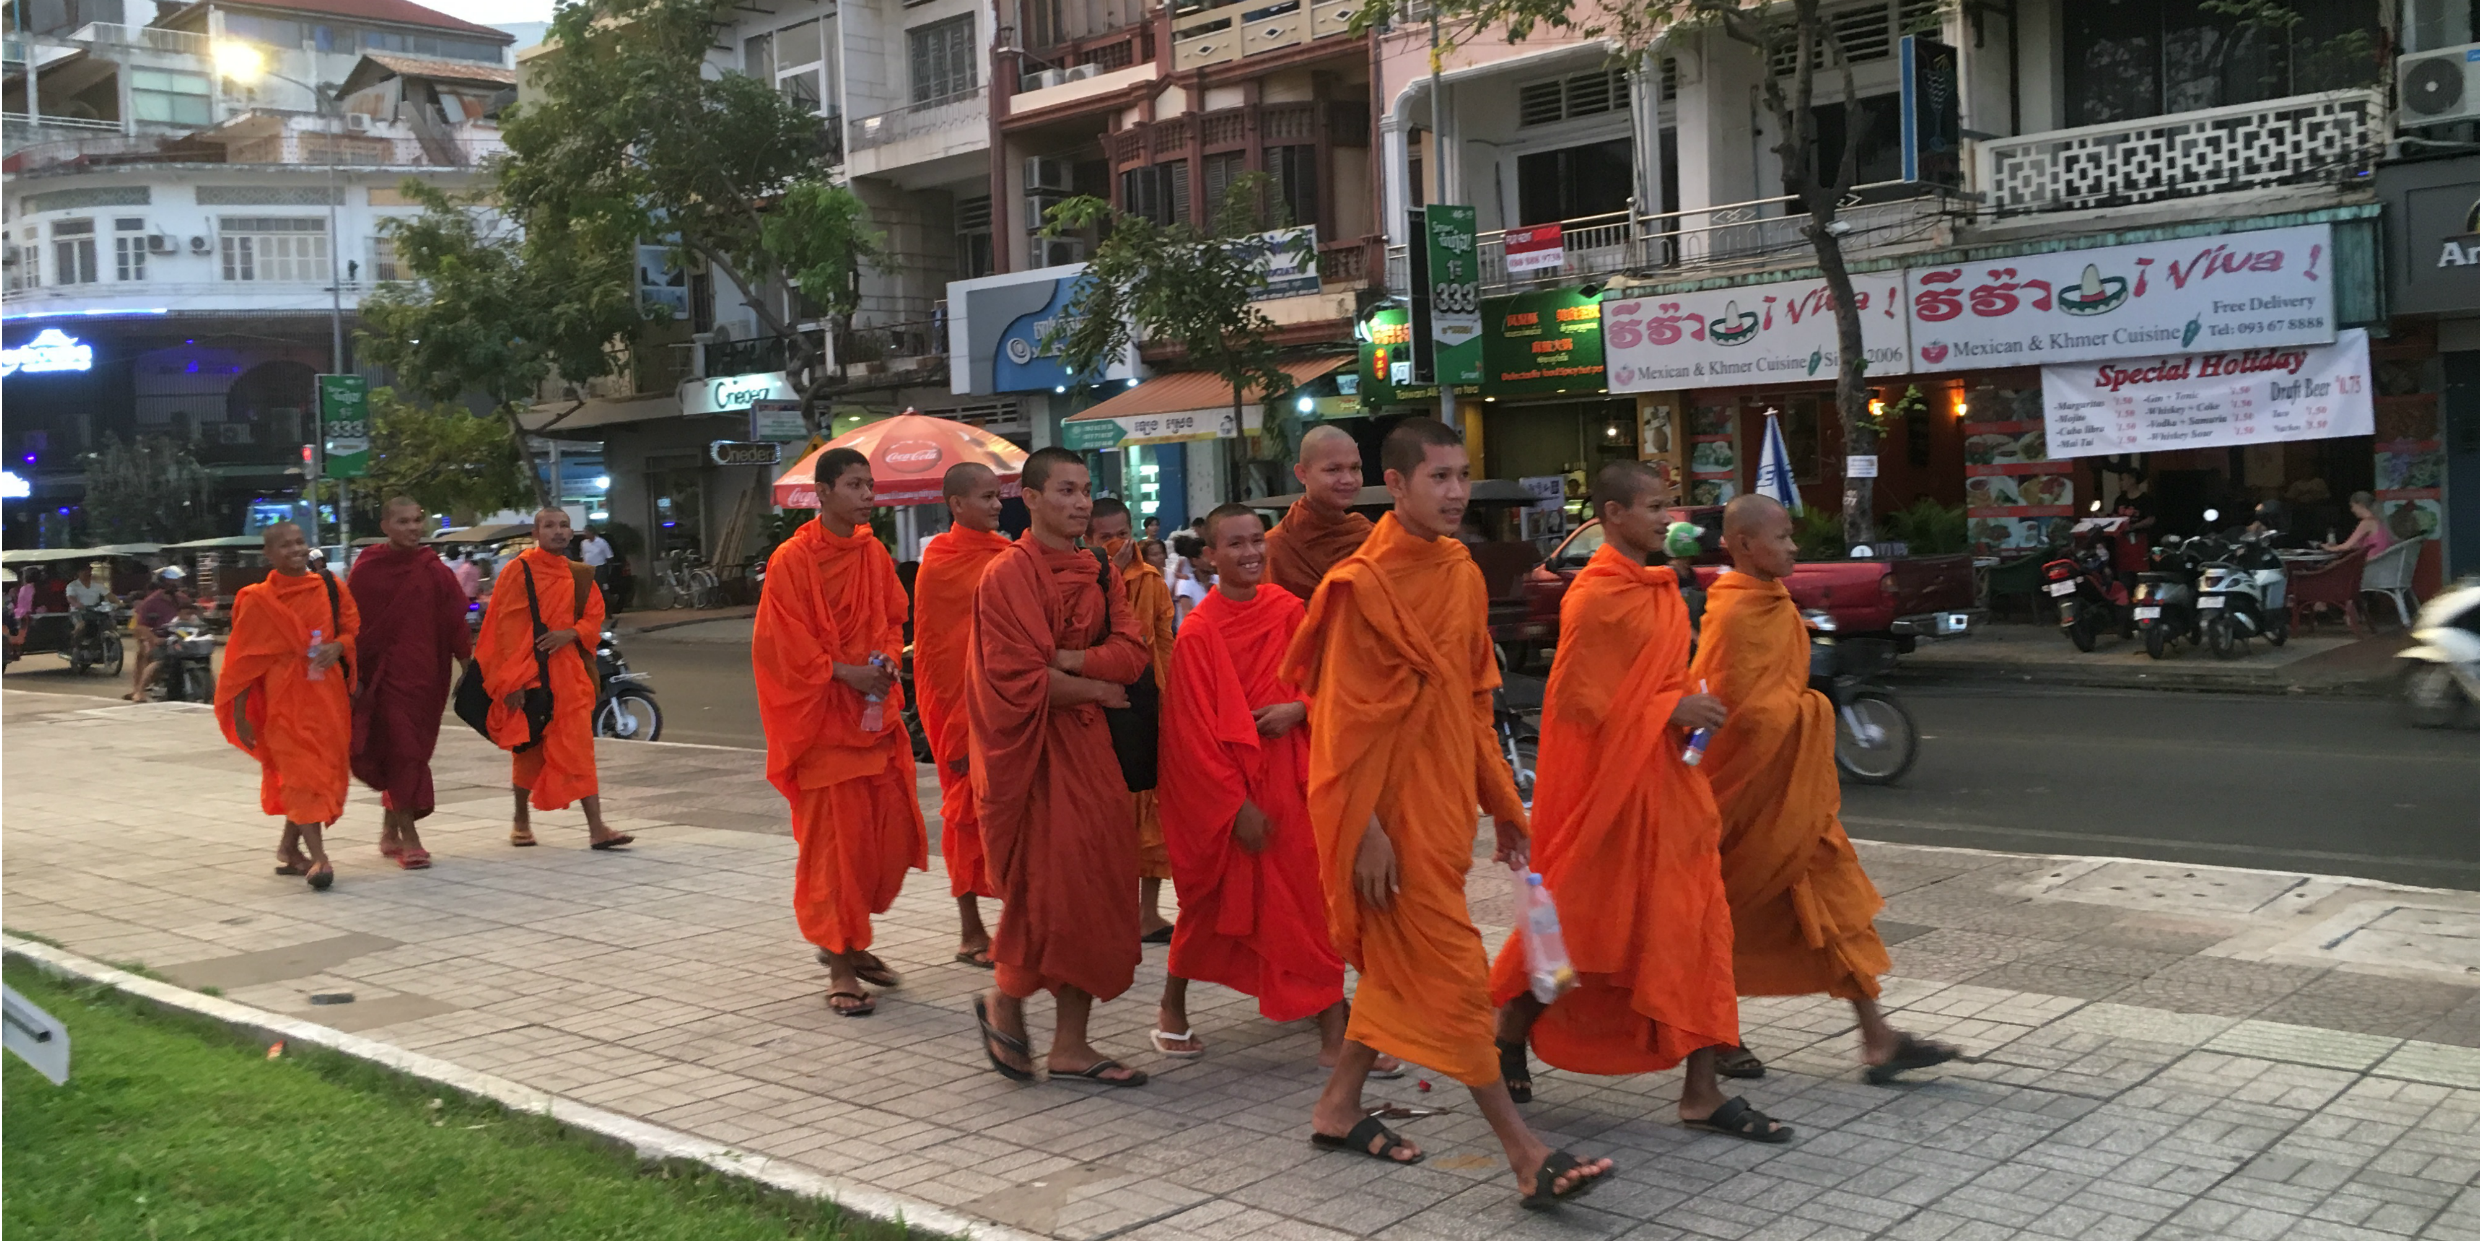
(1757,531)
(267,537)
(396,502)
(1404,447)
(1752,514)
(965,479)
(1329,469)
(1324,438)
(1623,483)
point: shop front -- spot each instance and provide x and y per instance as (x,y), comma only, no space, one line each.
(2428,444)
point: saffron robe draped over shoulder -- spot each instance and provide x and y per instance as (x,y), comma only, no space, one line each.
(1149,601)
(951,566)
(1626,837)
(1801,908)
(561,769)
(835,599)
(1307,544)
(1395,657)
(301,729)
(413,637)
(1255,923)
(1062,843)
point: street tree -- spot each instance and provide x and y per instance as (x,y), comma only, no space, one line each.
(445,456)
(629,136)
(1778,32)
(1191,289)
(146,490)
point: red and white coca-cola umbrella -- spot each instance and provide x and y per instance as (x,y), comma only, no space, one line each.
(910,454)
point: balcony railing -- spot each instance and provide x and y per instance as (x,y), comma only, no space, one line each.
(2316,139)
(891,348)
(968,110)
(150,38)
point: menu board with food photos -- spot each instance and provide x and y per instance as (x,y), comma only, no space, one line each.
(1713,454)
(2012,491)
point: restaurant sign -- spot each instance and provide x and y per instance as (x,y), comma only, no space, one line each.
(1549,341)
(1385,376)
(1748,334)
(2253,290)
(2210,400)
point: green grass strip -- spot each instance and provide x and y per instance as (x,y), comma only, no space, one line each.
(170,1128)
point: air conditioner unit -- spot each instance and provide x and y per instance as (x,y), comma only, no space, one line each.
(200,245)
(357,122)
(1044,79)
(1048,173)
(162,243)
(1038,208)
(1082,72)
(2439,86)
(1058,251)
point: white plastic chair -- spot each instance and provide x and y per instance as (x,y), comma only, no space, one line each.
(2388,573)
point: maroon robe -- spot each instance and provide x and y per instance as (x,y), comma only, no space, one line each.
(413,637)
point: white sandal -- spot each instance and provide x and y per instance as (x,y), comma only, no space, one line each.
(1159,1037)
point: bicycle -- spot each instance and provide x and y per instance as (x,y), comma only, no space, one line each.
(682,580)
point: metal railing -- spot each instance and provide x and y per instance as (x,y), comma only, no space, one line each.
(149,38)
(968,109)
(869,348)
(2301,140)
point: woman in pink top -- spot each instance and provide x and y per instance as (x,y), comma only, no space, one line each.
(2370,535)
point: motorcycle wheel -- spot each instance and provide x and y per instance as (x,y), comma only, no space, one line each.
(921,739)
(1898,744)
(1527,762)
(2218,636)
(2157,641)
(201,687)
(2430,697)
(2278,627)
(630,715)
(111,653)
(2082,634)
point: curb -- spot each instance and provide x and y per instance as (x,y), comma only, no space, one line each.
(659,626)
(2168,679)
(649,1142)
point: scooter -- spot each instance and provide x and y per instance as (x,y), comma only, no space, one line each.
(1875,741)
(2090,598)
(2165,602)
(2243,593)
(184,667)
(2441,669)
(96,640)
(1518,739)
(624,705)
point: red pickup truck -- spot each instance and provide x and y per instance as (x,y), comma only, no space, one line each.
(1906,597)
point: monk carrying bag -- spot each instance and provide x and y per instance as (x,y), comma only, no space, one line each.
(473,698)
(1135,728)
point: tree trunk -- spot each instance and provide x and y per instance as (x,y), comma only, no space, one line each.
(542,486)
(1851,388)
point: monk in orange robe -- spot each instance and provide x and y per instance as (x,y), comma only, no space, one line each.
(286,696)
(539,633)
(1053,644)
(951,566)
(1395,657)
(1149,600)
(1626,837)
(830,629)
(1320,528)
(1801,909)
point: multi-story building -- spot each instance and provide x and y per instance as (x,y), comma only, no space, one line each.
(2039,183)
(192,212)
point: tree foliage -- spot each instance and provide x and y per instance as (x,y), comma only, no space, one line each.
(147,490)
(445,456)
(1176,285)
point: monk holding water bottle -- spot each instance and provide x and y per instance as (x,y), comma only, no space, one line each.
(1626,838)
(1801,909)
(830,627)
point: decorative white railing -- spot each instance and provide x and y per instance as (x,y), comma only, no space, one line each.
(969,109)
(2302,140)
(152,38)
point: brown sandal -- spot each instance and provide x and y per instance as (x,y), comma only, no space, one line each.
(521,837)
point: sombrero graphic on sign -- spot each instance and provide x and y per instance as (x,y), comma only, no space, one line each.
(1733,326)
(2096,294)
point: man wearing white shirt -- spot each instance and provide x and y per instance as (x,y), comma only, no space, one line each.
(85,596)
(595,551)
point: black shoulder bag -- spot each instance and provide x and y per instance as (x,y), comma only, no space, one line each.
(335,621)
(473,698)
(1136,728)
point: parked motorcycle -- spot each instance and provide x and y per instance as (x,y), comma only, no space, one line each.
(624,705)
(1875,741)
(2243,592)
(95,642)
(912,712)
(2441,668)
(184,667)
(2165,600)
(2086,588)
(1518,739)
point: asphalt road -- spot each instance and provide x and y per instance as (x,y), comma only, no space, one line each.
(2325,785)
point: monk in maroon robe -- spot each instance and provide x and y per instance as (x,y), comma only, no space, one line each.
(413,637)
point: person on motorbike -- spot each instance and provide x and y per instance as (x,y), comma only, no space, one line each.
(161,607)
(87,599)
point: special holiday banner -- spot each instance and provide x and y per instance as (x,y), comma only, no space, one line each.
(2210,400)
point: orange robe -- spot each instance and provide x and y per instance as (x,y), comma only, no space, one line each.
(951,566)
(1149,599)
(1255,923)
(561,769)
(856,816)
(303,728)
(1054,807)
(1395,657)
(1626,837)
(1801,909)
(1307,544)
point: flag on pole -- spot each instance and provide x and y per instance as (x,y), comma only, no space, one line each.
(1774,466)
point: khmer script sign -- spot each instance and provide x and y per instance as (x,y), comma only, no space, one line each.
(1750,334)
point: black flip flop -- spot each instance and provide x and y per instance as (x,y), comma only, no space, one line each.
(978,958)
(869,1003)
(1737,1062)
(1738,1120)
(292,870)
(1094,1073)
(608,843)
(1370,1129)
(1517,1070)
(1910,1053)
(1162,936)
(322,877)
(866,967)
(1558,1164)
(990,1033)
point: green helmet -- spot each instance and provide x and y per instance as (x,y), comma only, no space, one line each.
(1683,539)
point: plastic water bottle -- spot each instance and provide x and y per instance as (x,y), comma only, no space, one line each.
(874,716)
(316,673)
(1545,949)
(1695,753)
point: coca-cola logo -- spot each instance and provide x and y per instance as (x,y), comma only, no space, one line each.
(911,456)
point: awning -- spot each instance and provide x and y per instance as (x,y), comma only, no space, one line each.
(1184,405)
(40,555)
(486,534)
(218,543)
(661,407)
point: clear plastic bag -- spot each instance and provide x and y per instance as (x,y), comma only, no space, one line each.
(1545,948)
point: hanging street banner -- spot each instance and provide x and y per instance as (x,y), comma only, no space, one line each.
(2255,290)
(344,425)
(2210,400)
(1748,334)
(1541,342)
(1449,283)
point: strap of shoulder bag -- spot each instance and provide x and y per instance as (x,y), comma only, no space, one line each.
(335,617)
